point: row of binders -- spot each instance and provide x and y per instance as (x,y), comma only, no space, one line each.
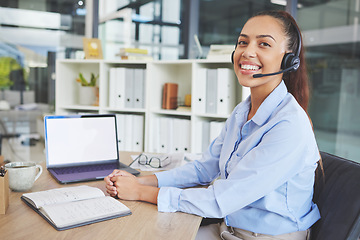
(169,135)
(130,130)
(126,88)
(215,91)
(205,133)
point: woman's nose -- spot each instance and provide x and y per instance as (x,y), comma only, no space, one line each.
(250,51)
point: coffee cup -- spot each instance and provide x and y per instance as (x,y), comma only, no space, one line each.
(22,175)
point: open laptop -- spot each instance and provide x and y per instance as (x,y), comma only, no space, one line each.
(82,147)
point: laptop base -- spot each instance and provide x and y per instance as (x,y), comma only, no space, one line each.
(88,176)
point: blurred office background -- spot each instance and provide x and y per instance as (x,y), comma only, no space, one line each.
(34,33)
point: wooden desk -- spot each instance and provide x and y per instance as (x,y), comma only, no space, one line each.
(21,222)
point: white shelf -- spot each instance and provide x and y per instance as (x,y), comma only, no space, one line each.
(171,112)
(182,72)
(81,107)
(209,115)
(124,110)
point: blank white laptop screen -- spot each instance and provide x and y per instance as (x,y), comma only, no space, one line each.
(77,140)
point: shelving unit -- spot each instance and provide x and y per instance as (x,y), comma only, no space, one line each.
(182,72)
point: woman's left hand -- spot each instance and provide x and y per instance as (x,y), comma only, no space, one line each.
(127,185)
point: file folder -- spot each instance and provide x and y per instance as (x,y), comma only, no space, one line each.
(112,87)
(211,92)
(138,131)
(199,100)
(129,86)
(120,122)
(225,91)
(139,88)
(120,88)
(128,132)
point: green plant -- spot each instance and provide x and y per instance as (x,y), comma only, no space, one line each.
(7,64)
(86,83)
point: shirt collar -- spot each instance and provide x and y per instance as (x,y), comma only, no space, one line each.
(266,108)
(243,111)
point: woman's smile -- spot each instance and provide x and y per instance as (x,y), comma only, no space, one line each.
(249,68)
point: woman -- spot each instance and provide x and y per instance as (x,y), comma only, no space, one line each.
(265,156)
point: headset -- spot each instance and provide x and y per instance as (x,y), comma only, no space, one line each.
(290,61)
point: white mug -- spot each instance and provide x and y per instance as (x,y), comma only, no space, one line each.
(22,175)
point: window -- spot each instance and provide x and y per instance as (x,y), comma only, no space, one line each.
(331,34)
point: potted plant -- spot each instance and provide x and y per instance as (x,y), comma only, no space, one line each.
(88,91)
(8,94)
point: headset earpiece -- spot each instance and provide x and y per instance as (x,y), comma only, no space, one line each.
(233,53)
(290,60)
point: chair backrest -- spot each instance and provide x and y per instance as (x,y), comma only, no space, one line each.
(337,195)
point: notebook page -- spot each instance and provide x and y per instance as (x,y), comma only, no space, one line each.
(61,195)
(68,214)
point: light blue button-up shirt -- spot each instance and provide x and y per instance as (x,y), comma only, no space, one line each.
(266,167)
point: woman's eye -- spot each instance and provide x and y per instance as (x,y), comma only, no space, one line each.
(241,43)
(264,44)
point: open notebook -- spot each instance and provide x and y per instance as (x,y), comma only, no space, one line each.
(82,147)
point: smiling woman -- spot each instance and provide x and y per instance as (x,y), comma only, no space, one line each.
(259,49)
(285,38)
(261,167)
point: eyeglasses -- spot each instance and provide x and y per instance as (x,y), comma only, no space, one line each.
(154,162)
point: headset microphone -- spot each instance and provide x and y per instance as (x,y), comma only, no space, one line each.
(270,74)
(294,67)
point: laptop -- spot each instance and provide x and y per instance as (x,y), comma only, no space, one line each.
(82,147)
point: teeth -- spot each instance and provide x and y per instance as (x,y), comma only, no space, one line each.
(249,67)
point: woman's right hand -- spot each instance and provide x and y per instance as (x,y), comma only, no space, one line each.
(110,186)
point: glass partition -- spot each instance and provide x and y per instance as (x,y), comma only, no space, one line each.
(332,42)
(28,49)
(32,34)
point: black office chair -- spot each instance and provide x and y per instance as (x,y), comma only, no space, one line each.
(338,198)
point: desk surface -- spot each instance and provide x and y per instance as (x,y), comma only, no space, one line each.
(21,222)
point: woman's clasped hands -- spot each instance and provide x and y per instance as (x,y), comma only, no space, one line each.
(126,186)
(123,185)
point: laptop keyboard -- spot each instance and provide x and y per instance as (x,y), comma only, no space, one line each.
(81,169)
